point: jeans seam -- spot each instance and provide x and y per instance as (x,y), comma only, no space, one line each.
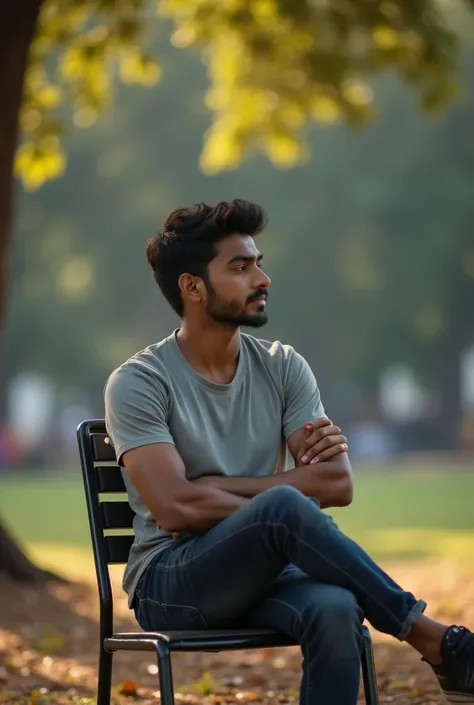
(287,604)
(303,635)
(292,607)
(299,539)
(386,609)
(210,548)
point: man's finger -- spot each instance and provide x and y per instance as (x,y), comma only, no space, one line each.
(319,422)
(319,434)
(329,453)
(323,444)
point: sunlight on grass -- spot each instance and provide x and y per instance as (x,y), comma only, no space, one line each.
(411,542)
(77,563)
(70,560)
(396,515)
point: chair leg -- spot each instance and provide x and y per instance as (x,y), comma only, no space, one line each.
(165,674)
(368,669)
(105,677)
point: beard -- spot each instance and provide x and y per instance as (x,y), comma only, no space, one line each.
(233,313)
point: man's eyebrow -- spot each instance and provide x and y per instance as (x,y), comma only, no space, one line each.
(245,258)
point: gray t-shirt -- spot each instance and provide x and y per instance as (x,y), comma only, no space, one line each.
(239,428)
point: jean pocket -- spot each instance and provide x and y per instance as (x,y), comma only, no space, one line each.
(150,615)
(153,616)
(183,617)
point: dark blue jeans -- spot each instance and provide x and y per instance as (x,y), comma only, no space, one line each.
(279,562)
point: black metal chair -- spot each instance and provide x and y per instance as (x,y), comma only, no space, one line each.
(102,475)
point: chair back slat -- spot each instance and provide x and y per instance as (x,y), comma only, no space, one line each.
(102,447)
(118,547)
(101,476)
(116,515)
(109,478)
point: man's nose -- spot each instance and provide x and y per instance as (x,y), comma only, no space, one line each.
(263,281)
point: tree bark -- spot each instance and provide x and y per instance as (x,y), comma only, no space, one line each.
(16,564)
(18,19)
(18,24)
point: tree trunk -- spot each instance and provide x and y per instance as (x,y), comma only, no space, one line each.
(18,20)
(16,564)
(18,23)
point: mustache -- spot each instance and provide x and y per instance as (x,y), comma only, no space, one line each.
(257,294)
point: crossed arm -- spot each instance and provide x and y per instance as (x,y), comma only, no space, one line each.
(329,481)
(179,505)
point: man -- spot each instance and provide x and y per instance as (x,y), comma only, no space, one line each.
(201,422)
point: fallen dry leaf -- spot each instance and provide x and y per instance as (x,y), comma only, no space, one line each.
(128,688)
(248,696)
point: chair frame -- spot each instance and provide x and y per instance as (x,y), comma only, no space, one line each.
(98,460)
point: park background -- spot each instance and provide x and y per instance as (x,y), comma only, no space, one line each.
(370,247)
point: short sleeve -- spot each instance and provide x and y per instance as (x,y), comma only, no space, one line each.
(301,393)
(136,409)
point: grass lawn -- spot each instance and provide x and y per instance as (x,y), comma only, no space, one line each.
(402,514)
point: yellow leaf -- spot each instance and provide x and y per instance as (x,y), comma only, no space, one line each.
(221,150)
(30,119)
(358,93)
(48,96)
(325,109)
(135,68)
(35,164)
(85,116)
(264,9)
(35,698)
(386,37)
(183,37)
(284,150)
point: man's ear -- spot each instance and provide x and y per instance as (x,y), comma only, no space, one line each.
(191,287)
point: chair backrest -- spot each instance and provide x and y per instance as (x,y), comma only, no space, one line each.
(110,518)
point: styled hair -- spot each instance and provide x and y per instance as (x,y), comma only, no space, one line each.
(187,242)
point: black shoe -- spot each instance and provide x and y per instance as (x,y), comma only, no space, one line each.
(456,673)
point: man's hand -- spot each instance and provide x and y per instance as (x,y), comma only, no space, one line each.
(324,440)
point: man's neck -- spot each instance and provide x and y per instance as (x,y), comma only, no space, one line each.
(212,349)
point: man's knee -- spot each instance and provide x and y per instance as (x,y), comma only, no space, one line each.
(337,615)
(287,513)
(283,497)
(334,611)
(335,620)
(340,606)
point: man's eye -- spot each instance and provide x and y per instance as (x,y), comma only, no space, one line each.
(241,268)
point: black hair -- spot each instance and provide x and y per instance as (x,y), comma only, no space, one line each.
(187,242)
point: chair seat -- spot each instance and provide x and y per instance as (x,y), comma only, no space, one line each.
(199,640)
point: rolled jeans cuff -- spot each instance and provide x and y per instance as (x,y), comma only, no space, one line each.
(417,609)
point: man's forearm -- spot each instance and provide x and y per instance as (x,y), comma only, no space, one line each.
(328,482)
(198,508)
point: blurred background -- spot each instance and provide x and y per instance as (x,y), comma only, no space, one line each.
(370,247)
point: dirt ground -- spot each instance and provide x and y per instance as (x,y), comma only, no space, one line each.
(49,641)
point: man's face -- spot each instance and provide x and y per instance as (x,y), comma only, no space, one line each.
(237,286)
